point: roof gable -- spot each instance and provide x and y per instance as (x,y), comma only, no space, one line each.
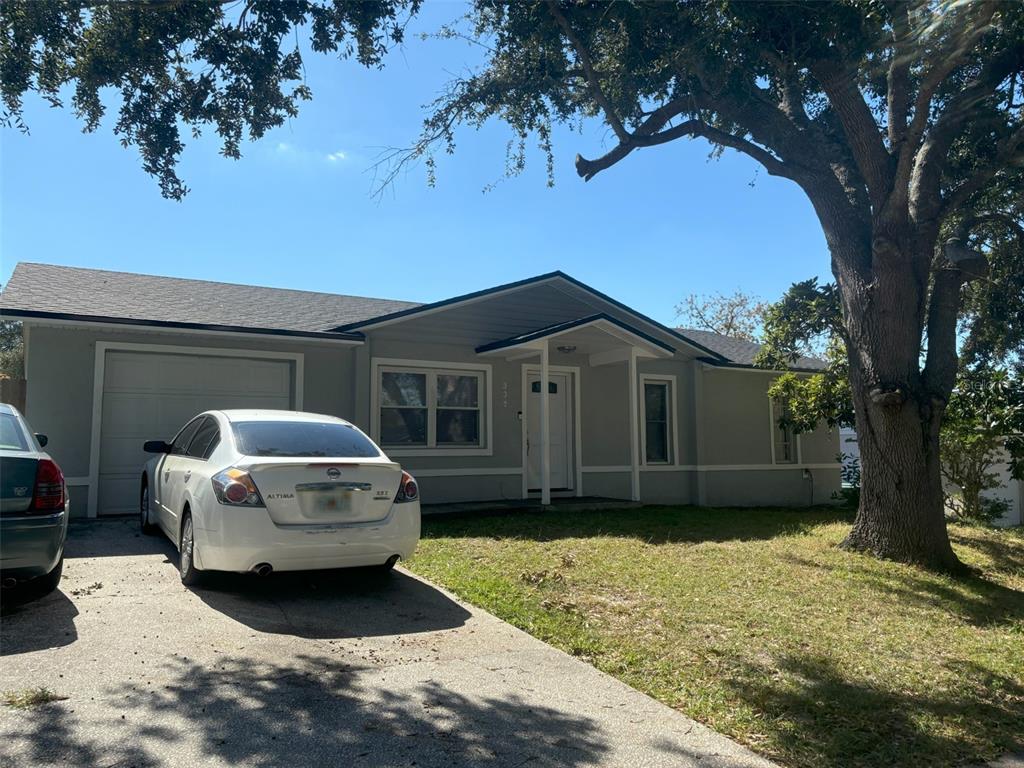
(423,310)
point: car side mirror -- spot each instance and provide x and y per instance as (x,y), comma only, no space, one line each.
(42,440)
(156,446)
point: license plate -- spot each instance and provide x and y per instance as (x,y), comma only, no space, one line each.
(332,502)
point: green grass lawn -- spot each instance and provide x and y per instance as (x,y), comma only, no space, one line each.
(753,622)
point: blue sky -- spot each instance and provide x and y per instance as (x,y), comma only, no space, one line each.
(297,211)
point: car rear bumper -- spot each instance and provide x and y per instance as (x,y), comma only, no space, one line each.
(31,545)
(239,539)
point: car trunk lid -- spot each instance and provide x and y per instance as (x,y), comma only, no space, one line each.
(325,491)
(17,482)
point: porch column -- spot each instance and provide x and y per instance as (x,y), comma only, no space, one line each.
(634,431)
(545,427)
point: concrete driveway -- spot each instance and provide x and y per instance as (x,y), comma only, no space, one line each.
(340,668)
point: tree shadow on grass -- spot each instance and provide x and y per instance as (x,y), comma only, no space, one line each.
(1003,548)
(972,598)
(824,720)
(654,525)
(310,710)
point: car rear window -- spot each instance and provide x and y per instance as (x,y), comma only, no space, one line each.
(302,438)
(12,438)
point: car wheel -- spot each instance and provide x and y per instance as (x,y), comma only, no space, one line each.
(186,557)
(144,525)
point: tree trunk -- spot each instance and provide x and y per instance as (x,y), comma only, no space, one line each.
(902,510)
(901,514)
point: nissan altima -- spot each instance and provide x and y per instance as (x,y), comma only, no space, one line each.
(262,490)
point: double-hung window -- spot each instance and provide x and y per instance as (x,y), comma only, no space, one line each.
(658,420)
(441,408)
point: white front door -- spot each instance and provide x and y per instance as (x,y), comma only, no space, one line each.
(560,405)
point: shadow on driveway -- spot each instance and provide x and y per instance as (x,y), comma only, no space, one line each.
(353,602)
(306,711)
(48,622)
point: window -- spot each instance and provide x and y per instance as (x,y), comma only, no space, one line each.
(180,445)
(431,407)
(205,440)
(11,436)
(785,447)
(302,438)
(658,420)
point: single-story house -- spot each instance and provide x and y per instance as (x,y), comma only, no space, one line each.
(631,409)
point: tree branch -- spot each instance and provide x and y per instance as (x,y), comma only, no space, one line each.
(588,68)
(1010,152)
(947,61)
(587,169)
(898,77)
(927,165)
(862,134)
(941,361)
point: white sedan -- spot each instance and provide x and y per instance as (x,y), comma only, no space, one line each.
(260,491)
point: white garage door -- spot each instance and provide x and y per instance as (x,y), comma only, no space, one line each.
(150,396)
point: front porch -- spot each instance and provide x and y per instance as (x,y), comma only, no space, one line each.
(600,340)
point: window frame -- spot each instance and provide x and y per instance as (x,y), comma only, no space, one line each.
(797,459)
(672,421)
(432,369)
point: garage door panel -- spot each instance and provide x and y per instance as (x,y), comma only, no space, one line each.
(150,396)
(121,493)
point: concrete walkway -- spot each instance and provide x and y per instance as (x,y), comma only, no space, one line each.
(342,668)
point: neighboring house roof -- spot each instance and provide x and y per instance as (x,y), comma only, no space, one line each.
(741,352)
(46,290)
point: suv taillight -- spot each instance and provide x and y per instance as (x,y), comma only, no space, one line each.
(407,489)
(48,495)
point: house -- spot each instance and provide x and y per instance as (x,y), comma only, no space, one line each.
(633,410)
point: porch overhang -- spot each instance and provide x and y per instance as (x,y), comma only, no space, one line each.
(602,338)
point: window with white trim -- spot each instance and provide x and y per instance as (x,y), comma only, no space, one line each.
(658,421)
(785,451)
(431,408)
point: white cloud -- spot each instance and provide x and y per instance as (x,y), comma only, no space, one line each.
(336,157)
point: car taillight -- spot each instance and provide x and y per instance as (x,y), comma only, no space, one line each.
(49,491)
(407,489)
(236,488)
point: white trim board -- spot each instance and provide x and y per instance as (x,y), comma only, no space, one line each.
(99,370)
(466,472)
(623,468)
(487,410)
(277,338)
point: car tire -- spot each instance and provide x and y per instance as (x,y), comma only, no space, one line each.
(187,570)
(144,525)
(388,565)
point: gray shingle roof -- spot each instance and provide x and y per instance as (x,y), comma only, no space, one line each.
(129,296)
(741,351)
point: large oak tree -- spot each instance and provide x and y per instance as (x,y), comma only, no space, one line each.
(895,118)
